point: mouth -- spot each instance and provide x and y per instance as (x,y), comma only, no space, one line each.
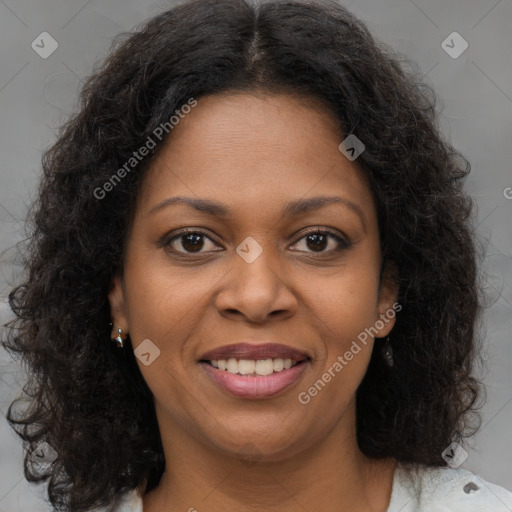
(254,371)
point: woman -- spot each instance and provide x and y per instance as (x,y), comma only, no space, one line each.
(251,284)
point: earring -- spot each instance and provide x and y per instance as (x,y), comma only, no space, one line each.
(387,353)
(119,338)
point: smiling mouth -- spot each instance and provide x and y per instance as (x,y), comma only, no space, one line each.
(253,368)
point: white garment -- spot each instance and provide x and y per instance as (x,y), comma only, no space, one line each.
(428,490)
(446,490)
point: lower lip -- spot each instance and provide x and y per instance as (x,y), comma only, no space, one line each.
(263,386)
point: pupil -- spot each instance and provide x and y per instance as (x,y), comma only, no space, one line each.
(314,238)
(195,240)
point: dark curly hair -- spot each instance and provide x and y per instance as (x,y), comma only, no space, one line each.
(88,400)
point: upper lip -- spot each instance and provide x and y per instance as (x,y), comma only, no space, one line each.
(254,351)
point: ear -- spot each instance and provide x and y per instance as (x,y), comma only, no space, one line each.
(117,301)
(387,301)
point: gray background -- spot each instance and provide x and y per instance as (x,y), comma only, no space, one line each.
(37,94)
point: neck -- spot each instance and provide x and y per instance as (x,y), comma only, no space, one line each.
(331,475)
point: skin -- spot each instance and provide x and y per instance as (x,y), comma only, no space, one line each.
(255,153)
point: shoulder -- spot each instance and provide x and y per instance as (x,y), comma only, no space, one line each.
(126,501)
(426,489)
(415,489)
(130,501)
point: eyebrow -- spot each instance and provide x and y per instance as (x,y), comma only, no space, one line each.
(298,207)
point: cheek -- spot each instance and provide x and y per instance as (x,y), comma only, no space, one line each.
(346,301)
(164,306)
(163,300)
(343,309)
(341,316)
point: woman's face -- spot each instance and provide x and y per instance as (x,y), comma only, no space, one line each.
(254,272)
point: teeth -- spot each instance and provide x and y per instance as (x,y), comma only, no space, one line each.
(252,367)
(232,366)
(245,367)
(264,367)
(278,365)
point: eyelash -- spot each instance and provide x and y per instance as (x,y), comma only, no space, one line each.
(343,243)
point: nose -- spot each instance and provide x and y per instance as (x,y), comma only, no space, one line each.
(256,291)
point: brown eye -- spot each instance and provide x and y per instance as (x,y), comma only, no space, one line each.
(192,242)
(189,242)
(318,241)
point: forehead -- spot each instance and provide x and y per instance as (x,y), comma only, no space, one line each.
(254,147)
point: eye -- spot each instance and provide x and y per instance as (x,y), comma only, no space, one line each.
(319,240)
(191,240)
